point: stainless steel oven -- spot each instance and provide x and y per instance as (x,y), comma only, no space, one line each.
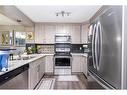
(62,62)
(62,57)
(62,65)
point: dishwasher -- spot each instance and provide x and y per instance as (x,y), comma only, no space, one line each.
(15,79)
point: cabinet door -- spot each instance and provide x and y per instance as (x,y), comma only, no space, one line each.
(84,33)
(76,64)
(36,71)
(59,29)
(67,29)
(41,67)
(39,33)
(49,64)
(82,59)
(44,62)
(33,76)
(39,71)
(63,29)
(50,33)
(84,65)
(75,34)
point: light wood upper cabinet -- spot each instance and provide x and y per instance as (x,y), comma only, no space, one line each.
(59,29)
(50,33)
(76,34)
(84,33)
(39,33)
(74,30)
(45,33)
(63,29)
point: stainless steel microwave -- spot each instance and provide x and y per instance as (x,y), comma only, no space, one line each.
(62,39)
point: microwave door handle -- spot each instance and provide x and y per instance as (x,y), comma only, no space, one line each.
(93,43)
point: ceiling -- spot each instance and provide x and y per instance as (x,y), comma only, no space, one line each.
(78,14)
(7,21)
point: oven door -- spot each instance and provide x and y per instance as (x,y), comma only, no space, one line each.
(62,62)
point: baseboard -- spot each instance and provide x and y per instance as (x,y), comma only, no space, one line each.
(75,73)
(49,73)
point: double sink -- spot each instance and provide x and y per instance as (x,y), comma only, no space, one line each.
(17,61)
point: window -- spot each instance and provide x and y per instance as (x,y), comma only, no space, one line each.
(20,38)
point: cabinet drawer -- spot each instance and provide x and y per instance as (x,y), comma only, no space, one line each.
(36,62)
(62,71)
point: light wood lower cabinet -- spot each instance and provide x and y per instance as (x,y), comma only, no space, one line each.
(36,72)
(33,76)
(49,64)
(84,65)
(45,64)
(76,63)
(79,64)
(41,68)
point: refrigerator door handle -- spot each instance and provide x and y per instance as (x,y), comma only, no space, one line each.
(93,46)
(98,49)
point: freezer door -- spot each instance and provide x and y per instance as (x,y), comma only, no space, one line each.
(111,46)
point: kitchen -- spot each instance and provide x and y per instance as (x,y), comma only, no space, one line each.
(62,47)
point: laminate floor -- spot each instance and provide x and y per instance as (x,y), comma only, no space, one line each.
(81,84)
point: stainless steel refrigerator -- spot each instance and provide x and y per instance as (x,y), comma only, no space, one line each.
(106,47)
